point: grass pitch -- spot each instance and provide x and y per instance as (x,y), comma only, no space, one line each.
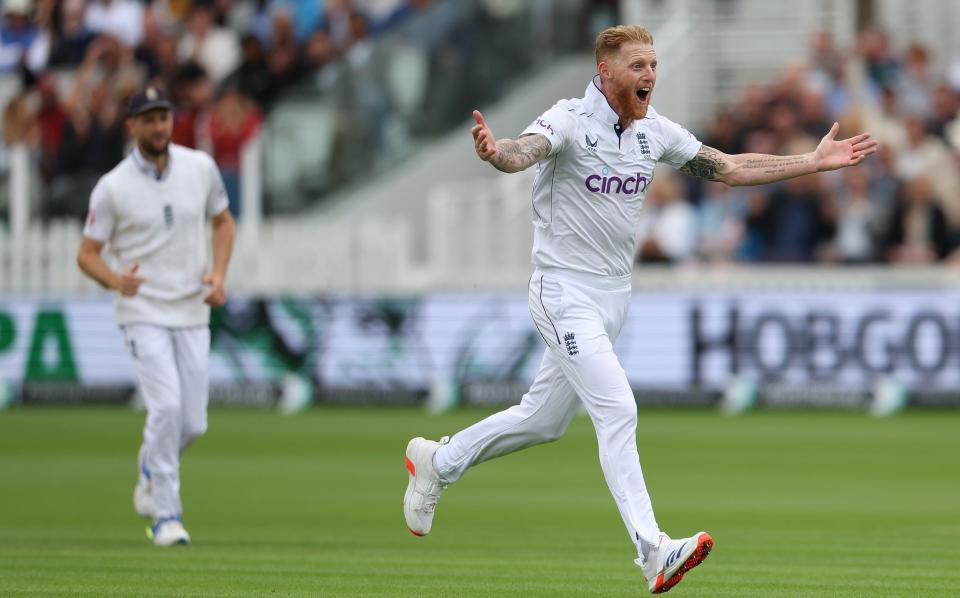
(799,503)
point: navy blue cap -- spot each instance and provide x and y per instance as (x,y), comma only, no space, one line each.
(151,98)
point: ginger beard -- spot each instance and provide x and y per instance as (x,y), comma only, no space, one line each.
(629,79)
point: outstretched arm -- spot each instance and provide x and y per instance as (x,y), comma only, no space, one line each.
(756,169)
(507,155)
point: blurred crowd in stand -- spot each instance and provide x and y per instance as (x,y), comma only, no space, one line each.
(68,67)
(71,66)
(900,206)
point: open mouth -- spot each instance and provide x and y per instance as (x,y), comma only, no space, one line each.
(643,93)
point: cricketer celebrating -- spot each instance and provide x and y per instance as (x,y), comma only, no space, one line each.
(152,211)
(596,157)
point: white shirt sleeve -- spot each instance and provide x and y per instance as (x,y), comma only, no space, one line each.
(217,200)
(679,144)
(556,124)
(100,217)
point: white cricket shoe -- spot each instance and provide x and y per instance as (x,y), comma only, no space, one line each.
(424,486)
(143,500)
(168,531)
(143,493)
(667,563)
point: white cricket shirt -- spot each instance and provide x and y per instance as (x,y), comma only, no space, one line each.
(159,220)
(589,189)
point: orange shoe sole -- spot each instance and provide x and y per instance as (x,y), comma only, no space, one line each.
(704,546)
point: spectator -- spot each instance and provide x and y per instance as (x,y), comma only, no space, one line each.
(861,217)
(785,126)
(721,225)
(726,133)
(826,60)
(252,77)
(667,223)
(387,14)
(881,68)
(214,48)
(916,83)
(321,50)
(20,40)
(235,120)
(159,55)
(918,232)
(19,122)
(945,106)
(72,39)
(794,220)
(51,119)
(193,94)
(122,19)
(169,14)
(813,116)
(926,156)
(345,23)
(305,15)
(884,121)
(284,61)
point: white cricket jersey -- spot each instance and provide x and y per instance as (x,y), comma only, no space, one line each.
(159,220)
(589,189)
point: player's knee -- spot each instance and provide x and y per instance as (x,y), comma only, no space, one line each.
(193,430)
(551,434)
(624,415)
(166,415)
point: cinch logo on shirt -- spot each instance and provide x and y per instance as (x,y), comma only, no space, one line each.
(601,183)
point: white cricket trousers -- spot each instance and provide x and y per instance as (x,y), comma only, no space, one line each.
(579,317)
(171,368)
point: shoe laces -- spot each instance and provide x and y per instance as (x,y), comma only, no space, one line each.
(432,495)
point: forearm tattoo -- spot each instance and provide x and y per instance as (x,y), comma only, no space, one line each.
(705,165)
(774,165)
(746,169)
(520,154)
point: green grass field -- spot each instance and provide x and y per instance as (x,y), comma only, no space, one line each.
(799,503)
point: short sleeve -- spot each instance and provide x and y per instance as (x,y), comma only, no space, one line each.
(679,145)
(217,200)
(100,216)
(556,124)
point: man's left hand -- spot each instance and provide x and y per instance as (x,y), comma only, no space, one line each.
(218,293)
(832,154)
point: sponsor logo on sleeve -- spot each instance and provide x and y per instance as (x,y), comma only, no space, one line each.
(545,125)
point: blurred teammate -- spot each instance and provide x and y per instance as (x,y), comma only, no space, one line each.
(595,157)
(153,209)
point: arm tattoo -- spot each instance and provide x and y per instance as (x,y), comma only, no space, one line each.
(520,154)
(746,169)
(773,164)
(705,165)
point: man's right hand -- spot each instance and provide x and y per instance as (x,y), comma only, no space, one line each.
(483,140)
(128,283)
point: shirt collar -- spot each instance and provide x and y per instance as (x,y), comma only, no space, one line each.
(148,168)
(597,104)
